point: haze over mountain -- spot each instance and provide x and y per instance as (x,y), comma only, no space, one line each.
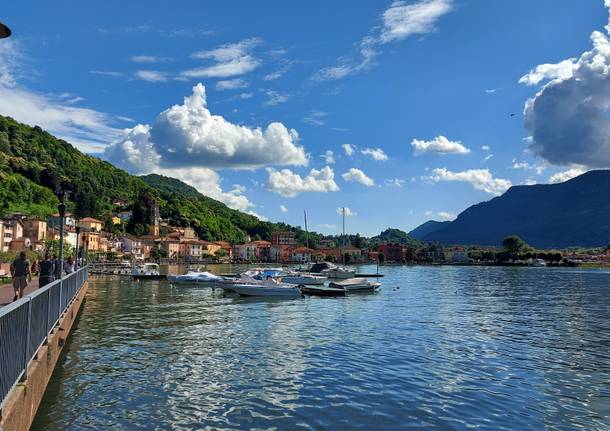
(572,213)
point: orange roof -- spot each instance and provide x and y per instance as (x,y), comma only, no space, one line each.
(302,250)
(90,220)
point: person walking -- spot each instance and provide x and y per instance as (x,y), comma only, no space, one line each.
(47,271)
(69,265)
(20,271)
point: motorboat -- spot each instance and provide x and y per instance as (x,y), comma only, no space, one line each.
(331,270)
(146,271)
(355,285)
(194,278)
(323,290)
(538,262)
(302,278)
(269,288)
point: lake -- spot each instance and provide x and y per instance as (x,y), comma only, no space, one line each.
(437,348)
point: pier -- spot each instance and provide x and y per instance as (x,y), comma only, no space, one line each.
(33,331)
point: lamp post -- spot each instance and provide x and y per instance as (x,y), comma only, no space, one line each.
(77,244)
(62,221)
(4,31)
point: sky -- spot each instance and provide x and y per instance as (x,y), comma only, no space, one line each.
(400,111)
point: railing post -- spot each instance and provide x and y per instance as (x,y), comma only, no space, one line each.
(60,292)
(26,356)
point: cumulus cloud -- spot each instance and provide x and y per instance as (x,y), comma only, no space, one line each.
(563,176)
(188,135)
(231,84)
(375,153)
(440,145)
(349,149)
(567,118)
(400,21)
(232,59)
(441,215)
(283,209)
(329,157)
(286,183)
(480,179)
(394,182)
(356,175)
(348,212)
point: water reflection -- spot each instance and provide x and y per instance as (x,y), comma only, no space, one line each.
(451,348)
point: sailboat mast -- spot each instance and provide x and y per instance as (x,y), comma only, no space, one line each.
(306,230)
(343,238)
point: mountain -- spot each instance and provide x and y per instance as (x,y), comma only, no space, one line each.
(34,165)
(429,227)
(395,236)
(573,213)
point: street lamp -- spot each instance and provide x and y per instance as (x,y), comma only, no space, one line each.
(4,31)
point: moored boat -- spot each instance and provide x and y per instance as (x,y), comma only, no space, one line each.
(269,288)
(203,278)
(146,271)
(356,285)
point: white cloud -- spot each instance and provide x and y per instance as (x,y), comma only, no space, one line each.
(231,84)
(568,117)
(152,75)
(440,145)
(375,153)
(399,21)
(286,183)
(480,179)
(316,118)
(356,175)
(283,209)
(349,149)
(539,168)
(150,59)
(491,91)
(329,157)
(395,182)
(188,135)
(230,60)
(278,73)
(561,177)
(348,212)
(275,97)
(487,157)
(441,215)
(245,96)
(402,19)
(530,182)
(111,73)
(485,147)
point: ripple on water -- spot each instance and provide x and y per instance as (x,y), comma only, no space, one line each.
(452,348)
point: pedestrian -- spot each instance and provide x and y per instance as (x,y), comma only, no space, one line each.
(20,271)
(47,270)
(69,265)
(35,267)
(57,267)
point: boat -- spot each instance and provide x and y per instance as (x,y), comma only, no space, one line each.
(355,285)
(302,278)
(193,278)
(538,263)
(323,290)
(268,288)
(330,270)
(146,271)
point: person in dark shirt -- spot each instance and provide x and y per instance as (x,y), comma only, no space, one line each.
(47,271)
(20,271)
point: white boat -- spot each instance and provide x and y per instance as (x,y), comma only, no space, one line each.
(339,273)
(355,285)
(269,288)
(203,278)
(146,271)
(538,262)
(300,278)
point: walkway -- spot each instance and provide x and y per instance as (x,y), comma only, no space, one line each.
(7,292)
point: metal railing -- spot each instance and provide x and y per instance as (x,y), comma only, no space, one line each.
(25,326)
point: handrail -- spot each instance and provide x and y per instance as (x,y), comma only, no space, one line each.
(26,324)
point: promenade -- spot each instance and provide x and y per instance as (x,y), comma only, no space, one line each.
(7,292)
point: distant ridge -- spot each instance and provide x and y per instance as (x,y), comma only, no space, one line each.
(427,228)
(573,213)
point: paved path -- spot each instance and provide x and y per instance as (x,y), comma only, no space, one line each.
(7,292)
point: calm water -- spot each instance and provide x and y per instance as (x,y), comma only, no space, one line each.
(451,348)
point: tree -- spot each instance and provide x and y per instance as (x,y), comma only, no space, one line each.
(513,244)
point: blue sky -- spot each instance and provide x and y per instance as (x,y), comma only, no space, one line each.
(421,93)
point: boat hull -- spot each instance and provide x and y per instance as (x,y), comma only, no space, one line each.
(276,292)
(149,277)
(322,291)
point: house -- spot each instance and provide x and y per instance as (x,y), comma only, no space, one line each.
(326,243)
(283,239)
(244,252)
(34,228)
(90,241)
(91,224)
(332,254)
(263,250)
(53,222)
(352,254)
(116,220)
(171,247)
(12,230)
(125,216)
(132,245)
(210,248)
(280,253)
(119,202)
(457,255)
(392,252)
(301,254)
(224,245)
(192,249)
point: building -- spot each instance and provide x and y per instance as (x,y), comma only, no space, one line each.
(116,220)
(12,229)
(392,252)
(133,245)
(20,244)
(301,254)
(91,224)
(244,252)
(192,249)
(154,219)
(35,229)
(90,241)
(210,248)
(457,255)
(280,253)
(224,245)
(171,247)
(125,216)
(119,202)
(353,254)
(283,239)
(326,243)
(53,222)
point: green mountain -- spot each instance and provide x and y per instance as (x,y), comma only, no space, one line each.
(396,236)
(34,165)
(573,213)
